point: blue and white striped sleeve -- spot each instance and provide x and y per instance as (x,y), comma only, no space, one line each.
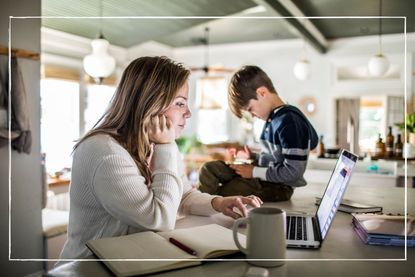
(294,141)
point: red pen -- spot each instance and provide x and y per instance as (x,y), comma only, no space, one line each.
(182,246)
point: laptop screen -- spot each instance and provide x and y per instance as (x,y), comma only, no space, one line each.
(334,191)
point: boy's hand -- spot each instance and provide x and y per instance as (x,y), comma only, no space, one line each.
(245,170)
(246,153)
(242,154)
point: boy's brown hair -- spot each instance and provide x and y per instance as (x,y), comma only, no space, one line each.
(243,86)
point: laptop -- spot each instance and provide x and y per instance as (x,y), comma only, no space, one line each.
(308,231)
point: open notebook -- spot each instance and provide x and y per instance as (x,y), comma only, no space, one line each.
(209,241)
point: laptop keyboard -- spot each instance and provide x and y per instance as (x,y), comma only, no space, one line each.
(296,228)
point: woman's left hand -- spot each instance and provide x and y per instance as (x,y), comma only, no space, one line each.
(226,205)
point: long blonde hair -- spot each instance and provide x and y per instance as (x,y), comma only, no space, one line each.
(147,87)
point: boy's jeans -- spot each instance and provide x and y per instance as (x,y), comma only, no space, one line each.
(218,178)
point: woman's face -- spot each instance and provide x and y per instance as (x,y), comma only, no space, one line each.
(179,111)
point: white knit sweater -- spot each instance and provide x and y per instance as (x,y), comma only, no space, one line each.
(109,197)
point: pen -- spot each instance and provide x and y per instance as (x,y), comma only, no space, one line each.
(182,246)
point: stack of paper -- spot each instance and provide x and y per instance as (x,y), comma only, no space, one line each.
(382,229)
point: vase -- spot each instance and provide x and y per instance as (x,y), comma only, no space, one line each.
(408,150)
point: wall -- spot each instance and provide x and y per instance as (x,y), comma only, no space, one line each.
(26,229)
(277,58)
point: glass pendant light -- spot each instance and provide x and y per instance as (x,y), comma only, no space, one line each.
(99,64)
(302,69)
(379,64)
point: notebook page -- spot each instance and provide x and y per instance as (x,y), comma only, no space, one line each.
(145,245)
(209,241)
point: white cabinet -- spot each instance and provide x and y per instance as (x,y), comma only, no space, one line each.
(386,175)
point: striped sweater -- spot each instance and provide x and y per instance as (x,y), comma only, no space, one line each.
(286,141)
(109,197)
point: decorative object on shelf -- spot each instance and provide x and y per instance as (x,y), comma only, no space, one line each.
(389,143)
(380,148)
(321,150)
(409,126)
(308,105)
(398,147)
(99,64)
(302,69)
(379,64)
(409,141)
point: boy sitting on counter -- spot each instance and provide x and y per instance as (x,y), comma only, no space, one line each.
(286,140)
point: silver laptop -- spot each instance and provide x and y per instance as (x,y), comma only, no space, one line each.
(308,231)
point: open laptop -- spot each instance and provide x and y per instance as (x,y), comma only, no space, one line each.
(308,231)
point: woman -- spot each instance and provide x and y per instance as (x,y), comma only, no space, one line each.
(127,175)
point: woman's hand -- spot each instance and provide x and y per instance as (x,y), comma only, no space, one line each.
(160,130)
(227,205)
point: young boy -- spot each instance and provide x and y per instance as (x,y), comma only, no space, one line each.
(286,141)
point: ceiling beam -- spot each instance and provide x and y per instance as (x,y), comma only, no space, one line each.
(303,25)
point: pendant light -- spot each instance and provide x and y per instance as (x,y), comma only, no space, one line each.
(302,69)
(378,65)
(99,64)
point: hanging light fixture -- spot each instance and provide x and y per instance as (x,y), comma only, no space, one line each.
(302,70)
(99,64)
(378,65)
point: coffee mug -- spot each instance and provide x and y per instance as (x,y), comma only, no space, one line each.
(265,240)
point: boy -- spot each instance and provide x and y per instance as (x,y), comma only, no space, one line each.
(286,141)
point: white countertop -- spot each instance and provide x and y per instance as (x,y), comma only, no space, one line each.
(341,243)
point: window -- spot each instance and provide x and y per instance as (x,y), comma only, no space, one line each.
(372,122)
(59,121)
(63,109)
(258,127)
(213,112)
(98,99)
(211,126)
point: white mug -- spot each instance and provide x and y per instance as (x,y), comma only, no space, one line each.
(265,240)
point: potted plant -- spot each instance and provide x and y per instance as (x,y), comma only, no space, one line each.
(187,144)
(409,145)
(410,128)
